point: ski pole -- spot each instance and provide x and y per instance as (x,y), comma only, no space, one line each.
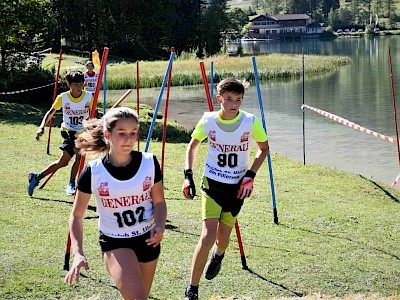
(54,98)
(82,161)
(211,108)
(271,177)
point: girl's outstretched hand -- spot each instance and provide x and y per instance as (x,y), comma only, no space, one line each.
(79,262)
(156,236)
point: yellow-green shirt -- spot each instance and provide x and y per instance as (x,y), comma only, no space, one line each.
(258,135)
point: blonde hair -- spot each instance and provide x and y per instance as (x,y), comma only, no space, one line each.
(233,85)
(91,140)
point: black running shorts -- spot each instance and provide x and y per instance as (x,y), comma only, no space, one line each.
(69,142)
(138,244)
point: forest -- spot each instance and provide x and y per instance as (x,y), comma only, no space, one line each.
(148,29)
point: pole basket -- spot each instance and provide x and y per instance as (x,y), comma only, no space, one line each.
(244,263)
(276,216)
(66,261)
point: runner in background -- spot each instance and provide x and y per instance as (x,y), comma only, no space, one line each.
(90,77)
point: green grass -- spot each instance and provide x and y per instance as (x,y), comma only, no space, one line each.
(338,235)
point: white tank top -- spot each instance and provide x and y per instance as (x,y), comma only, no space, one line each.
(91,82)
(125,207)
(228,152)
(75,112)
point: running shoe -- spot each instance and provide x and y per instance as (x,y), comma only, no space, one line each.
(213,266)
(32,183)
(70,189)
(190,295)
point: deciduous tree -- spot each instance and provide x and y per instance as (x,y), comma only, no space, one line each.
(19,22)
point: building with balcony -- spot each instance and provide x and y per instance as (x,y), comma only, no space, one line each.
(284,26)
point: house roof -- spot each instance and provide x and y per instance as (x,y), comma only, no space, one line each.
(281,17)
(292,17)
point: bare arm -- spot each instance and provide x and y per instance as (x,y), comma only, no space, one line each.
(188,187)
(49,114)
(191,153)
(246,184)
(263,150)
(76,233)
(160,214)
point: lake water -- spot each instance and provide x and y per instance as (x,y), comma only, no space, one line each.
(360,92)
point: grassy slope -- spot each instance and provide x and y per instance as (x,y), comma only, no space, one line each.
(338,232)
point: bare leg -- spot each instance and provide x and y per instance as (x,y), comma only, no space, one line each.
(75,166)
(203,247)
(55,165)
(126,272)
(223,234)
(148,269)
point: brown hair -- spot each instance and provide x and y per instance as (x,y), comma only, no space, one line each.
(89,62)
(75,77)
(92,140)
(233,85)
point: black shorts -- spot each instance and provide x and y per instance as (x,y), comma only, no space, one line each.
(69,142)
(138,244)
(224,194)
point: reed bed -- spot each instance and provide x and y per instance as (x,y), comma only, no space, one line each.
(187,71)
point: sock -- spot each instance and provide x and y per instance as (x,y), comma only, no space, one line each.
(218,257)
(71,180)
(40,176)
(193,288)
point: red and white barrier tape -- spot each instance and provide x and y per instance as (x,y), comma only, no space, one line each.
(27,90)
(42,51)
(354,126)
(349,123)
(396,181)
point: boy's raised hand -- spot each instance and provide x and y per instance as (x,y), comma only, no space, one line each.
(188,187)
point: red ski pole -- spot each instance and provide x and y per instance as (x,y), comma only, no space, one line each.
(211,108)
(82,161)
(54,98)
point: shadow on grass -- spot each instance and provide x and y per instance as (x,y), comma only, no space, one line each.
(344,238)
(175,229)
(90,207)
(274,283)
(382,188)
(15,113)
(98,281)
(25,114)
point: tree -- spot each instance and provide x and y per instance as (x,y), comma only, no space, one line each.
(186,18)
(256,4)
(214,24)
(333,19)
(297,6)
(19,23)
(345,16)
(237,19)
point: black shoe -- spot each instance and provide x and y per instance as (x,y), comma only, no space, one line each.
(190,295)
(212,268)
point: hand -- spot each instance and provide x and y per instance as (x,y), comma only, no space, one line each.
(79,262)
(156,236)
(188,187)
(39,133)
(246,185)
